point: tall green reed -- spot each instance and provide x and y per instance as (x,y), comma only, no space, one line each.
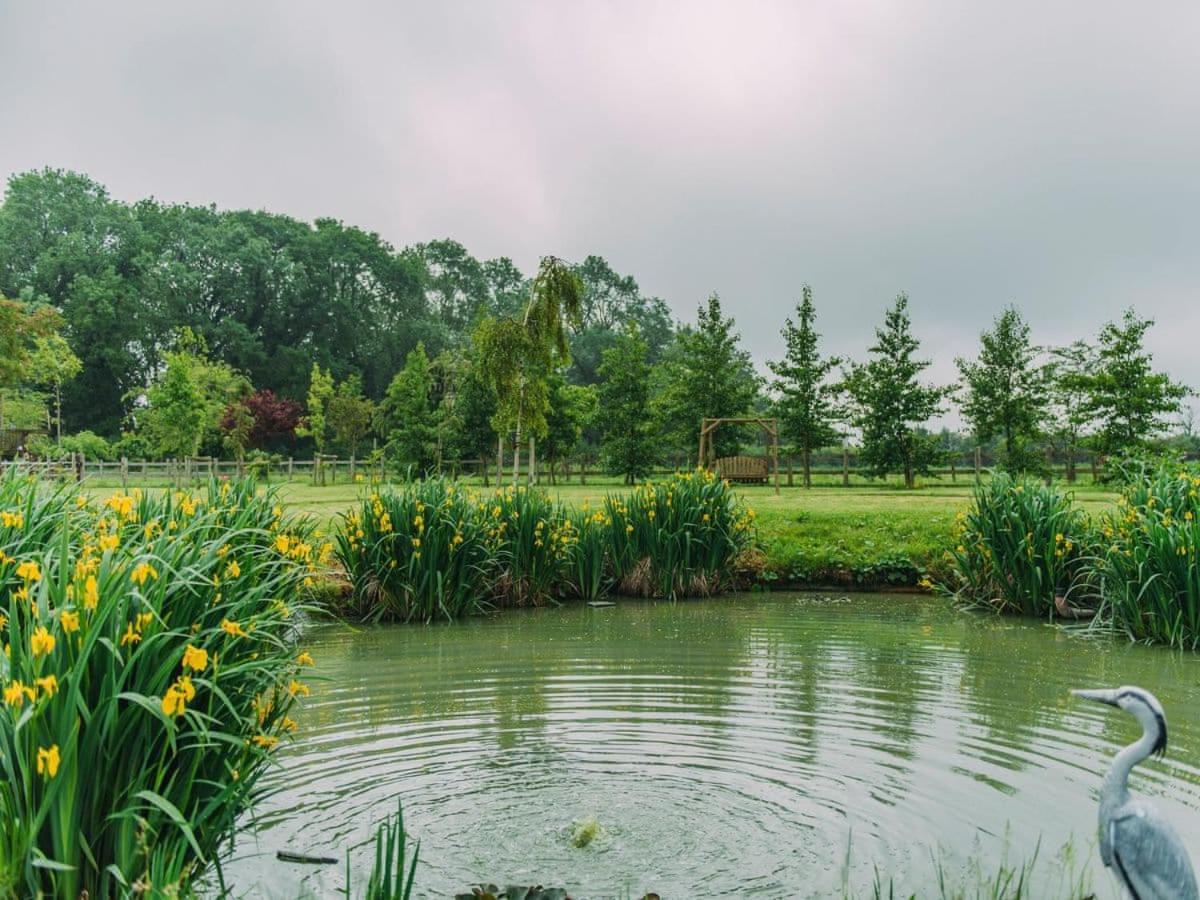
(1019,545)
(1147,575)
(152,665)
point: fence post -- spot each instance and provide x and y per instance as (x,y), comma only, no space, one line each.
(124,473)
(352,468)
(845,467)
(978,462)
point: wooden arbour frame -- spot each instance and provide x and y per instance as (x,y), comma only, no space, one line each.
(770,428)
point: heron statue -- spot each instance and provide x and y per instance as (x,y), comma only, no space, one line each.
(1136,842)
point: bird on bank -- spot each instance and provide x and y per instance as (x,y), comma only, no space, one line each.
(1136,842)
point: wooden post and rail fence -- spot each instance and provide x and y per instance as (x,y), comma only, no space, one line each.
(839,467)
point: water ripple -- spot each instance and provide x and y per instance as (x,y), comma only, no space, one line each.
(735,746)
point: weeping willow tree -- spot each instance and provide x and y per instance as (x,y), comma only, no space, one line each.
(517,355)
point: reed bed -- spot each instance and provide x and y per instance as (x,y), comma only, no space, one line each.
(1018,546)
(434,550)
(151,668)
(1147,577)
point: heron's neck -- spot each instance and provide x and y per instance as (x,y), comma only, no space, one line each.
(1116,783)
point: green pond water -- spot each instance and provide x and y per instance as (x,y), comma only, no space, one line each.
(729,747)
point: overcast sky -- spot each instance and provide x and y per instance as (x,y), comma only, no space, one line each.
(970,154)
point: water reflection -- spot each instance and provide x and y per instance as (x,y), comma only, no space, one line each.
(735,744)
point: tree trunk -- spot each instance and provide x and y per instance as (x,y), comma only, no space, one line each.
(790,463)
(58,411)
(909,478)
(499,460)
(532,477)
(807,459)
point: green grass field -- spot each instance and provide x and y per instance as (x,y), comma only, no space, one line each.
(866,535)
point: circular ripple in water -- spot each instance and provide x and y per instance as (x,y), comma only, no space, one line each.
(731,747)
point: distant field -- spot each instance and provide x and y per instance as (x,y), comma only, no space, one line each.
(868,534)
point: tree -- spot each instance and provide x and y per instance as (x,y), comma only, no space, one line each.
(405,417)
(627,429)
(1070,372)
(569,410)
(316,424)
(236,427)
(471,434)
(1129,402)
(52,364)
(890,405)
(517,357)
(807,405)
(707,376)
(174,422)
(21,324)
(192,392)
(349,414)
(276,419)
(1007,391)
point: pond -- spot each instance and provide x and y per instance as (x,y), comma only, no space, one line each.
(737,746)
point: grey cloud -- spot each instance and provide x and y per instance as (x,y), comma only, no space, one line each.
(972,155)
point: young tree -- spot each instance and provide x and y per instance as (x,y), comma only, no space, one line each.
(1007,391)
(316,423)
(191,388)
(52,364)
(405,417)
(807,405)
(1070,373)
(890,404)
(708,375)
(627,432)
(237,425)
(276,419)
(174,423)
(1129,401)
(21,323)
(349,415)
(518,356)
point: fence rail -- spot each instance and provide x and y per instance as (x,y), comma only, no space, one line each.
(826,468)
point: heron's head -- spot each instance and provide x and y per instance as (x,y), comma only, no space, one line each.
(1142,704)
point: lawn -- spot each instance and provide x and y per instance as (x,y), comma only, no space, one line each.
(866,535)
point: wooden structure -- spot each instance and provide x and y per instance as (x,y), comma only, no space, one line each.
(743,469)
(748,467)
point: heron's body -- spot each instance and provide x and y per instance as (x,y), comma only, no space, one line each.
(1136,842)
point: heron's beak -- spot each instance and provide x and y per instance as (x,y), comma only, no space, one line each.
(1100,696)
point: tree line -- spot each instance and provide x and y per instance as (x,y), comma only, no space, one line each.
(156,330)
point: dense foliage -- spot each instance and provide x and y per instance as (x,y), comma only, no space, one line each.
(152,665)
(435,550)
(1019,544)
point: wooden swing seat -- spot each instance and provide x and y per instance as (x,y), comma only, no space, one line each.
(744,469)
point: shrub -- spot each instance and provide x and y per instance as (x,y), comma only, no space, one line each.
(152,666)
(1018,545)
(677,537)
(1148,575)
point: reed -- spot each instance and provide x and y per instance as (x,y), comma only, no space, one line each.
(1018,545)
(422,552)
(152,665)
(1147,574)
(678,537)
(430,549)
